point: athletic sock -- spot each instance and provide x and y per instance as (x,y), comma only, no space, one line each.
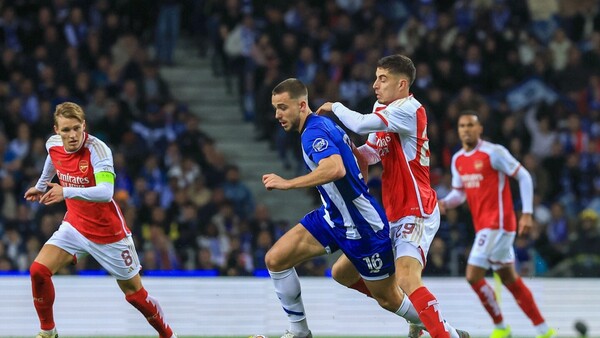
(361,287)
(487,296)
(525,300)
(150,308)
(42,289)
(427,306)
(287,288)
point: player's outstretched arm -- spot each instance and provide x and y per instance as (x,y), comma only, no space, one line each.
(33,195)
(357,122)
(329,169)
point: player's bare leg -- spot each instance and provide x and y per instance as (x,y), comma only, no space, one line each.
(344,272)
(49,260)
(137,296)
(294,247)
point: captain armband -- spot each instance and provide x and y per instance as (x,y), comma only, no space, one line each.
(104,177)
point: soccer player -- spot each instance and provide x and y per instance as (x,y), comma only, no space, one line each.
(480,172)
(398,138)
(93,224)
(350,218)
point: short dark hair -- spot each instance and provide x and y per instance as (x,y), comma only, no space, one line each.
(292,86)
(399,65)
(469,112)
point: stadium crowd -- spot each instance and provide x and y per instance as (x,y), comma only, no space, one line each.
(531,69)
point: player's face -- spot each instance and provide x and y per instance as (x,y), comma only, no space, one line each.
(287,111)
(469,130)
(70,131)
(388,87)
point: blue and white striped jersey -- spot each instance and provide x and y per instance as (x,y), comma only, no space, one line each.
(347,202)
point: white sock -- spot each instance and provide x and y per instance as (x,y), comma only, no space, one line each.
(287,287)
(542,328)
(408,312)
(451,330)
(500,326)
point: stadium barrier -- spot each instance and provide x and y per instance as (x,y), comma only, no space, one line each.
(94,306)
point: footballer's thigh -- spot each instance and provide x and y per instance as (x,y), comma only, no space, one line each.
(412,236)
(62,248)
(120,258)
(294,247)
(386,292)
(344,272)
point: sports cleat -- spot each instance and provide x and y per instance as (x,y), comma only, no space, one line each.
(414,330)
(502,333)
(44,334)
(463,334)
(288,334)
(550,334)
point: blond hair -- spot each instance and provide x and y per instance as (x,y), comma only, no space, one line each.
(69,110)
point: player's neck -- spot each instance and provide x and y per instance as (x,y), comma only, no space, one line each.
(303,116)
(470,146)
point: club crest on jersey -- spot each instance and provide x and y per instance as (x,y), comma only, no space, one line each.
(83,166)
(478,165)
(320,144)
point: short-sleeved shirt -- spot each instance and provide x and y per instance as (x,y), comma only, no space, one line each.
(483,175)
(350,216)
(100,222)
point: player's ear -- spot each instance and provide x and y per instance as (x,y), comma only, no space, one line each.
(83,125)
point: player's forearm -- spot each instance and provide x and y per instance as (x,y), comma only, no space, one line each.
(47,174)
(525,189)
(357,122)
(328,170)
(369,154)
(455,198)
(102,192)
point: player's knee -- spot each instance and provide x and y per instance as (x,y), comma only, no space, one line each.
(408,283)
(471,279)
(275,262)
(341,275)
(39,272)
(388,301)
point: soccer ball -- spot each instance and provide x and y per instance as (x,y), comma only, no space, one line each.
(258,336)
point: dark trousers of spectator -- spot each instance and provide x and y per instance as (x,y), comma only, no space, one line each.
(167,32)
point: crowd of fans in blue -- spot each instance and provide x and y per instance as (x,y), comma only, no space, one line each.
(531,69)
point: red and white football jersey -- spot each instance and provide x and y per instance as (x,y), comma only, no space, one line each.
(99,222)
(404,153)
(483,175)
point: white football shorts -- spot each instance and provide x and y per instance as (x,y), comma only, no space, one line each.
(412,236)
(120,258)
(492,248)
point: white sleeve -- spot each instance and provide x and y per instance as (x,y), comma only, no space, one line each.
(47,175)
(357,122)
(369,153)
(456,181)
(398,119)
(102,192)
(503,161)
(455,198)
(526,189)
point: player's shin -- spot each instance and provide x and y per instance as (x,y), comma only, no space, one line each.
(43,294)
(427,306)
(487,296)
(525,300)
(151,309)
(287,287)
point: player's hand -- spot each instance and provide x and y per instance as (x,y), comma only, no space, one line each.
(525,224)
(33,195)
(272,181)
(442,207)
(325,108)
(54,195)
